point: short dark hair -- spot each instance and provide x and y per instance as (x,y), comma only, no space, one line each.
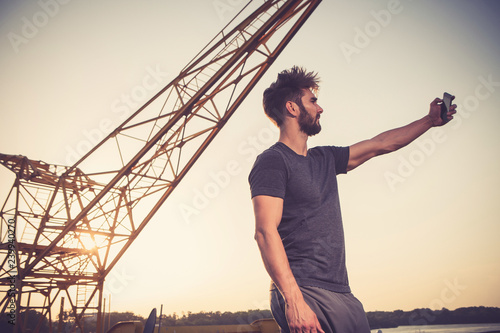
(288,87)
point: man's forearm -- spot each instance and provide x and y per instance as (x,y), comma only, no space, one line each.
(299,316)
(387,142)
(399,137)
(276,263)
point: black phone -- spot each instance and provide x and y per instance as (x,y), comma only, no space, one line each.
(445,107)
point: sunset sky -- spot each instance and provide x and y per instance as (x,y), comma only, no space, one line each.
(422,225)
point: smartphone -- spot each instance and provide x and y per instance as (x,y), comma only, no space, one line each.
(445,107)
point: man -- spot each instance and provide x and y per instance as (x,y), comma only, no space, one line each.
(297,212)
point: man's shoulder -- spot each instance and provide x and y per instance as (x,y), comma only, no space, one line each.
(329,149)
(272,154)
(269,168)
(275,148)
(337,155)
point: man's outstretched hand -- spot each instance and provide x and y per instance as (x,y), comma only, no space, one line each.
(435,112)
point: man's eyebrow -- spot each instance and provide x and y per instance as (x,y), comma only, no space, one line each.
(314,99)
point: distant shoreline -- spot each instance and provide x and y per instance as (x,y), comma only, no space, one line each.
(426,316)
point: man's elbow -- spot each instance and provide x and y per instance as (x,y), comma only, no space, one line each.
(388,149)
(263,236)
(259,236)
(381,146)
(392,147)
(377,150)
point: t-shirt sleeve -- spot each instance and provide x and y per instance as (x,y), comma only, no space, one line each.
(341,155)
(268,175)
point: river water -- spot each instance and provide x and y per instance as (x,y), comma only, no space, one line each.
(459,328)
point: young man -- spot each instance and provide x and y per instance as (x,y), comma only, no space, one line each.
(297,212)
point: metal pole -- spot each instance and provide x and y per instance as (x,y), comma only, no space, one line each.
(159,323)
(61,314)
(109,312)
(103,316)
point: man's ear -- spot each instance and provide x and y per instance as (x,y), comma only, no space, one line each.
(292,108)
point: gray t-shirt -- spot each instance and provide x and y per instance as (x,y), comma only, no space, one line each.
(311,225)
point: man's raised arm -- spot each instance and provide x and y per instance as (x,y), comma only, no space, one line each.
(397,138)
(268,211)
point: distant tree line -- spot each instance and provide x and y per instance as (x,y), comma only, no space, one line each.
(215,318)
(470,315)
(31,319)
(377,319)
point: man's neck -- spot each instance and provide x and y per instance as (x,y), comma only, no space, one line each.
(295,141)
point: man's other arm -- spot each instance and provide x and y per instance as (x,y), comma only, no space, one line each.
(397,138)
(268,211)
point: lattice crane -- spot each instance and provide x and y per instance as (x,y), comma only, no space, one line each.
(63,230)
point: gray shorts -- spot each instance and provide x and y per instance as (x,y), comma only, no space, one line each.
(336,312)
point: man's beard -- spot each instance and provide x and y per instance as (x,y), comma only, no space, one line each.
(307,123)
